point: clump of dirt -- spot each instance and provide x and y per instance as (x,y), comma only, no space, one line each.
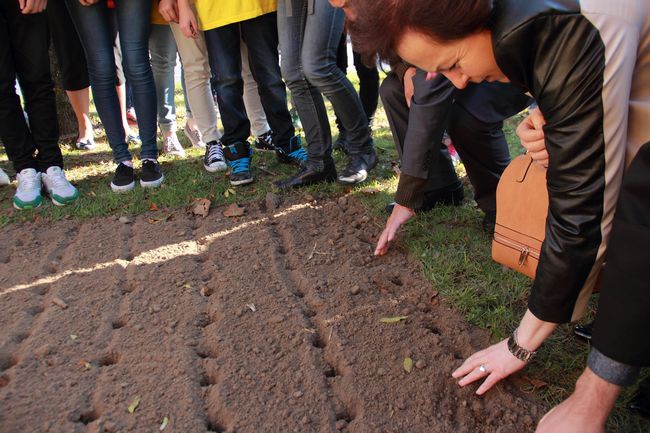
(269,322)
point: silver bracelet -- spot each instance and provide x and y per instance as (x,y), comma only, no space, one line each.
(518,351)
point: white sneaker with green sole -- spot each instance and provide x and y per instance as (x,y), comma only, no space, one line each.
(58,188)
(28,192)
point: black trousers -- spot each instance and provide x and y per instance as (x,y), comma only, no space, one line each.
(24,54)
(368,80)
(622,327)
(404,121)
(69,51)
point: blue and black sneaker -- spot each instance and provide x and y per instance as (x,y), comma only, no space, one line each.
(238,157)
(292,153)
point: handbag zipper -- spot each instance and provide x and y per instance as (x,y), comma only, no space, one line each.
(524,250)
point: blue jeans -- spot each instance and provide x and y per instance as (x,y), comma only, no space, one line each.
(308,43)
(261,37)
(162,47)
(96,32)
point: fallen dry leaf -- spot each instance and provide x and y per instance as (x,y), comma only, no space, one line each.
(234,211)
(370,190)
(201,206)
(408,364)
(134,404)
(164,424)
(153,207)
(395,319)
(434,298)
(59,302)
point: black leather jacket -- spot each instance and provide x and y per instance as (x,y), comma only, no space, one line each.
(568,54)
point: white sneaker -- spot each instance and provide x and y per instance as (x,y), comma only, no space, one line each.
(171,146)
(28,193)
(213,159)
(194,136)
(4,178)
(58,188)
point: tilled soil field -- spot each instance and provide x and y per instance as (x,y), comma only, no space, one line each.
(266,323)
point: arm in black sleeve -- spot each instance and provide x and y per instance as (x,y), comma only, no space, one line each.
(427,121)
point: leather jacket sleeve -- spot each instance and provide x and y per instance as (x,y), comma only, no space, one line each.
(565,72)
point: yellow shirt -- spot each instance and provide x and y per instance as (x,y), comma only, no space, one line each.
(217,13)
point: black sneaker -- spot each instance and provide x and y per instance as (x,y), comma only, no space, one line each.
(265,142)
(584,331)
(358,166)
(123,180)
(238,156)
(213,158)
(292,153)
(151,176)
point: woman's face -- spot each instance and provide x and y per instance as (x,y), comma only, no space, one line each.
(462,61)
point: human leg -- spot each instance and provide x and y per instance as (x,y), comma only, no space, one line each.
(252,102)
(134,26)
(162,49)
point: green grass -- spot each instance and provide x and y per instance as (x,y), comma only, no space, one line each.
(449,242)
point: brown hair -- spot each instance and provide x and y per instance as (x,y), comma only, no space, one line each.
(379,24)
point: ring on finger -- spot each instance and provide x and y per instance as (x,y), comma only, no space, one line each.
(482,368)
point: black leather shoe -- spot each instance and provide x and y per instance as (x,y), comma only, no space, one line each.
(309,176)
(640,403)
(584,331)
(447,196)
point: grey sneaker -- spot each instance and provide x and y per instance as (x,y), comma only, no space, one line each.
(194,136)
(171,146)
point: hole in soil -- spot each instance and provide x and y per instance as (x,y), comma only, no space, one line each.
(298,294)
(19,338)
(33,311)
(317,342)
(204,353)
(309,313)
(215,427)
(331,372)
(109,359)
(40,290)
(88,417)
(345,416)
(207,380)
(282,250)
(118,323)
(433,329)
(397,280)
(7,361)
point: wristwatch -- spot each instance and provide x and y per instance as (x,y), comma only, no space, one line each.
(518,351)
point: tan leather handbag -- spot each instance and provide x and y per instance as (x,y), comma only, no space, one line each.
(522,207)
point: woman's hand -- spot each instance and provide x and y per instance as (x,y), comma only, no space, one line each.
(187,20)
(496,360)
(531,134)
(169,10)
(409,87)
(399,216)
(32,6)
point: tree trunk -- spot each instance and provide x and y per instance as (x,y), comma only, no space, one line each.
(68,127)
